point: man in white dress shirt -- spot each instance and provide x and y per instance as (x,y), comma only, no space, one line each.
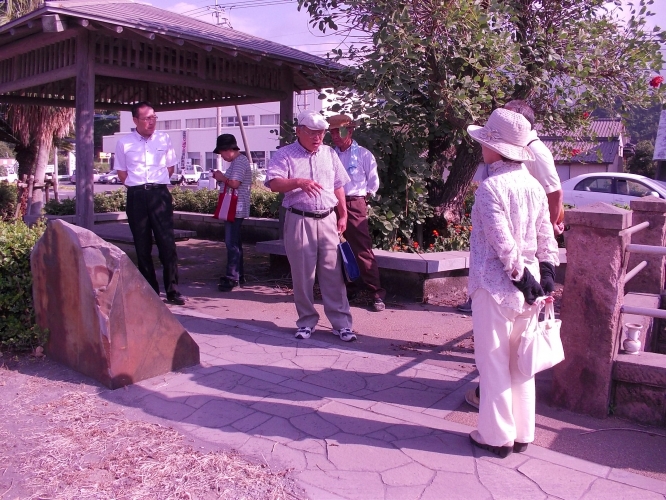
(145,161)
(361,167)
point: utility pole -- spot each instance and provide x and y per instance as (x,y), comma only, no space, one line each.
(222,19)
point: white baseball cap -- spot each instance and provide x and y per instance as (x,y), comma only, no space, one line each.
(312,120)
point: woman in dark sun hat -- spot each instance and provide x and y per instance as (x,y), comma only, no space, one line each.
(512,239)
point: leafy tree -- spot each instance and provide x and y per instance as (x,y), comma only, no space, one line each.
(106,123)
(34,126)
(641,163)
(426,69)
(6,150)
(642,123)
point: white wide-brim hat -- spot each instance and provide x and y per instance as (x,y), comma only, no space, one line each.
(506,133)
(312,120)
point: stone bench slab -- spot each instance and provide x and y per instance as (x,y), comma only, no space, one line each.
(121,233)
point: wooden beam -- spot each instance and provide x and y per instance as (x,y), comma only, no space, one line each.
(53,23)
(231,101)
(286,104)
(34,81)
(36,41)
(85,115)
(144,34)
(180,80)
(87,24)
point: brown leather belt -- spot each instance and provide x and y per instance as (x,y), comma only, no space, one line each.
(149,185)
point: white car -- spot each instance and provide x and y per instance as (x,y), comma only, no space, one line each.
(109,178)
(96,174)
(204,181)
(610,187)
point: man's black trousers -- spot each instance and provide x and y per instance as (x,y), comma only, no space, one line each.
(150,213)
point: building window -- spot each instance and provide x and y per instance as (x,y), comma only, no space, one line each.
(259,159)
(200,122)
(195,157)
(167,125)
(211,161)
(269,119)
(232,121)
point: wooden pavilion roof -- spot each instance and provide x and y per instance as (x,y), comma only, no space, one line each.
(140,52)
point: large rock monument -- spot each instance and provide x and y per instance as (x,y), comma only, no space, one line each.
(104,319)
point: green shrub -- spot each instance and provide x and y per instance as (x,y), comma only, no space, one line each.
(18,330)
(114,201)
(8,197)
(202,201)
(264,203)
(67,206)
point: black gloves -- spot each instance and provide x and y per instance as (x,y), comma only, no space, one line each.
(529,286)
(547,271)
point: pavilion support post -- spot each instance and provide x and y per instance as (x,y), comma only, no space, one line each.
(286,120)
(85,113)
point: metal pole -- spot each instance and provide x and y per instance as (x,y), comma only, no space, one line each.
(634,271)
(634,229)
(649,249)
(242,130)
(219,131)
(644,311)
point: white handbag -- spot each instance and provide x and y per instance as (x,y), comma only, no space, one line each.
(540,344)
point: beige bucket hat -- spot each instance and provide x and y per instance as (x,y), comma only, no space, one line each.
(506,133)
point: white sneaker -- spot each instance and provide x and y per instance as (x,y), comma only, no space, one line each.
(304,332)
(345,334)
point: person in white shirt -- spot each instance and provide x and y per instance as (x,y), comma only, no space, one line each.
(512,257)
(364,181)
(145,161)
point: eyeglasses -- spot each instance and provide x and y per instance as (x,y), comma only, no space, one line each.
(313,133)
(152,118)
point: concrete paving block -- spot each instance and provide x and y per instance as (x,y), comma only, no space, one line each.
(452,486)
(412,474)
(412,399)
(556,480)
(243,359)
(446,452)
(350,485)
(646,483)
(329,394)
(246,424)
(285,457)
(286,366)
(309,445)
(251,371)
(262,385)
(220,380)
(286,409)
(314,425)
(354,420)
(278,429)
(346,382)
(505,483)
(603,488)
(314,364)
(218,413)
(362,393)
(358,453)
(568,461)
(155,404)
(420,419)
(513,461)
(378,383)
(226,437)
(382,435)
(403,492)
(408,431)
(313,492)
(376,366)
(258,448)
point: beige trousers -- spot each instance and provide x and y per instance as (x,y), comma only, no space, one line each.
(507,407)
(312,246)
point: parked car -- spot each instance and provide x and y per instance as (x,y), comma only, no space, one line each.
(109,178)
(96,175)
(610,187)
(204,181)
(188,175)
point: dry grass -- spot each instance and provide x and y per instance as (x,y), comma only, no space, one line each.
(87,451)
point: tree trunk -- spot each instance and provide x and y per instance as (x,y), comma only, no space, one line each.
(42,158)
(25,156)
(449,203)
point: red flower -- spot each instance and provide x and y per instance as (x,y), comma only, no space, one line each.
(575,152)
(435,233)
(656,81)
(586,115)
(415,244)
(432,246)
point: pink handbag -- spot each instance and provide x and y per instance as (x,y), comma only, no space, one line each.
(226,204)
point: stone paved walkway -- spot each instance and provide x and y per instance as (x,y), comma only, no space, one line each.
(354,425)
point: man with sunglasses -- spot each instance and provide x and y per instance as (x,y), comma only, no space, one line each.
(312,179)
(145,161)
(362,169)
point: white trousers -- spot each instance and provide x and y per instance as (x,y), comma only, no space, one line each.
(507,407)
(312,247)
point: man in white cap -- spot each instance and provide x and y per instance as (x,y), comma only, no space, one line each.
(362,169)
(312,178)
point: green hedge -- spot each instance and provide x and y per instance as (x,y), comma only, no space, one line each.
(18,330)
(8,195)
(263,203)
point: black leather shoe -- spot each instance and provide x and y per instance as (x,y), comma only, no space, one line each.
(177,298)
(226,285)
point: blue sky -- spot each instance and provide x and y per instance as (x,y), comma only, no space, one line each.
(281,22)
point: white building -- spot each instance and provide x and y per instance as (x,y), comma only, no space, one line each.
(194,132)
